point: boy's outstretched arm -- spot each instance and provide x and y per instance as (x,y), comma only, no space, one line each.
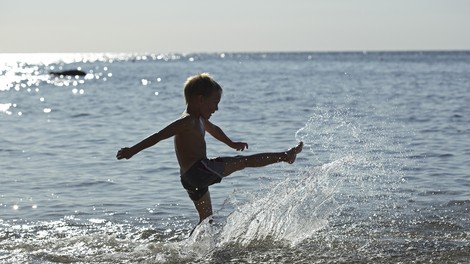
(169,131)
(219,134)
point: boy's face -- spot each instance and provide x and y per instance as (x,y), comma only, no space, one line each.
(210,104)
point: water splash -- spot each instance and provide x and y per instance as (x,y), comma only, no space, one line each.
(293,210)
(357,165)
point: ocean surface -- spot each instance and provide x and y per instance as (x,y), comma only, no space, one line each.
(384,176)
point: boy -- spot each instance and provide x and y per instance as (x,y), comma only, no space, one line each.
(203,94)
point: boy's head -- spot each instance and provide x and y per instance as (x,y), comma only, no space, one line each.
(200,84)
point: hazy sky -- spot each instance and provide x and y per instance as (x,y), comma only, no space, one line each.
(227,25)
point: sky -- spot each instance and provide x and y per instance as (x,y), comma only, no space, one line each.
(157,26)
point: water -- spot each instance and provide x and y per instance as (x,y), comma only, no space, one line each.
(384,176)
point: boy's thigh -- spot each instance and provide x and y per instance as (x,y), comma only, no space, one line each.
(233,164)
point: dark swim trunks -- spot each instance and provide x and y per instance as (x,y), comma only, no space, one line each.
(201,175)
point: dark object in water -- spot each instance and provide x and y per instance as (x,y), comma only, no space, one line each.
(68,73)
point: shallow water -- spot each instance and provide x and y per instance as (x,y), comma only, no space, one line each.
(384,175)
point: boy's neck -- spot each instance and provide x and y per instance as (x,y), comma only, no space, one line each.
(192,111)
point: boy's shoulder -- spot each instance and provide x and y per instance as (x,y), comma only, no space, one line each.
(186,117)
(189,126)
(189,120)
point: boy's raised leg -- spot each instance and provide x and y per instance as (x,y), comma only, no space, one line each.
(237,163)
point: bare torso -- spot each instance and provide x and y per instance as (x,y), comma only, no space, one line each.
(190,145)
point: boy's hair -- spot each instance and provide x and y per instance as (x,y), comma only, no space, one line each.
(200,84)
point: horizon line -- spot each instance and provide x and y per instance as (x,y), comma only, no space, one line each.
(235,52)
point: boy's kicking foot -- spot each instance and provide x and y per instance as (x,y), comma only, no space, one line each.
(292,153)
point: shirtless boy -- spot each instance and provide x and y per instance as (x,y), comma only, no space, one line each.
(203,94)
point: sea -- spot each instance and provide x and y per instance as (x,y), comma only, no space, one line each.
(384,176)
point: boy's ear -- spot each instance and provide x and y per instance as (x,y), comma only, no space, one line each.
(200,98)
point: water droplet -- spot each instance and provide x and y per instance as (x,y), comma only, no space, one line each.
(4,107)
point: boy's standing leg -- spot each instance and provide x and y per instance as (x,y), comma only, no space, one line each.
(204,206)
(204,209)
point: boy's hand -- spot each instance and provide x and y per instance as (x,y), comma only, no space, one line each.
(240,146)
(124,153)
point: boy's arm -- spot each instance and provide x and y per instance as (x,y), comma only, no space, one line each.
(217,133)
(169,131)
